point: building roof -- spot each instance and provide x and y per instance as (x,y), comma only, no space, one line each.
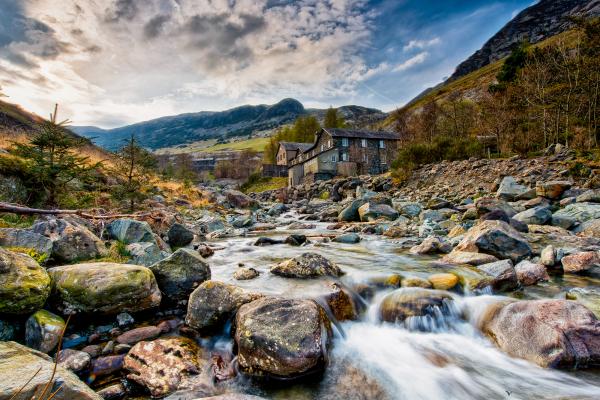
(361,134)
(295,146)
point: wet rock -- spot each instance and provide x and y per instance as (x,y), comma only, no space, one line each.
(25,238)
(213,303)
(468,257)
(243,274)
(107,365)
(432,245)
(300,225)
(443,281)
(502,274)
(295,240)
(372,212)
(240,200)
(267,241)
(205,250)
(233,396)
(510,190)
(548,256)
(124,319)
(277,209)
(122,348)
(496,238)
(346,381)
(243,221)
(529,273)
(139,334)
(414,281)
(179,235)
(70,241)
(130,231)
(341,303)
(181,272)
(581,262)
(551,190)
(73,360)
(24,285)
(307,265)
(282,338)
(8,330)
(350,213)
(164,365)
(30,371)
(411,302)
(348,238)
(534,216)
(108,348)
(589,297)
(113,392)
(386,281)
(43,330)
(144,253)
(550,333)
(103,287)
(93,350)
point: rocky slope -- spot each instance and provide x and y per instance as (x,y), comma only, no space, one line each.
(544,19)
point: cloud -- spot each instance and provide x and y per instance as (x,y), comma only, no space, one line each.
(154,27)
(421,44)
(411,62)
(122,10)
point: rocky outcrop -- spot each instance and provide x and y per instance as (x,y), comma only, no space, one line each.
(282,338)
(103,287)
(307,265)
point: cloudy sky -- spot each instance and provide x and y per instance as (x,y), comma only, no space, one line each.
(114,62)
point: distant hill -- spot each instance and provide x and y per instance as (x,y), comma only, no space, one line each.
(542,20)
(240,121)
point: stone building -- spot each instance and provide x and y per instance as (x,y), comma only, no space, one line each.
(287,151)
(343,152)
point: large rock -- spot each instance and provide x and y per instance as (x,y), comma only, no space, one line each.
(529,273)
(181,272)
(350,212)
(485,205)
(552,189)
(24,285)
(411,302)
(163,365)
(104,287)
(550,333)
(43,330)
(240,200)
(496,238)
(179,235)
(468,257)
(510,190)
(213,303)
(70,241)
(373,211)
(590,196)
(502,273)
(25,238)
(307,265)
(534,216)
(144,253)
(576,213)
(282,338)
(581,262)
(130,231)
(432,245)
(29,371)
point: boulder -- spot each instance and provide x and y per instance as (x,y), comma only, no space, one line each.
(468,257)
(552,189)
(590,196)
(411,302)
(432,245)
(130,231)
(529,273)
(307,265)
(576,213)
(181,272)
(267,241)
(588,296)
(70,241)
(73,360)
(179,235)
(510,190)
(341,303)
(534,216)
(24,285)
(585,261)
(25,373)
(25,238)
(548,256)
(244,274)
(346,380)
(348,238)
(144,253)
(502,274)
(436,203)
(371,212)
(205,250)
(43,330)
(590,228)
(443,281)
(415,281)
(295,240)
(163,365)
(282,338)
(550,333)
(277,209)
(350,212)
(103,287)
(410,210)
(240,200)
(496,238)
(213,303)
(485,205)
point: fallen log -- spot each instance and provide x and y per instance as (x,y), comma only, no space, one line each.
(16,209)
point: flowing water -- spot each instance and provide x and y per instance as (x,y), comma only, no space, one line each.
(439,357)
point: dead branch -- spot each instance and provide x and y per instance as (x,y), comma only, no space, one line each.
(16,209)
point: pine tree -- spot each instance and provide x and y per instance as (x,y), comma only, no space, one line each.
(132,167)
(52,159)
(333,119)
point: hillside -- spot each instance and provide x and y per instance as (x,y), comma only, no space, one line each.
(542,20)
(185,129)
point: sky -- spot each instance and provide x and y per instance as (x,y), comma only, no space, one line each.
(110,63)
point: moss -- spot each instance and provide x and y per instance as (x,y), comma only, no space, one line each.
(41,258)
(26,285)
(46,318)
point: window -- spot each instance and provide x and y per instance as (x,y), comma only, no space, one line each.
(329,144)
(345,142)
(381,144)
(344,156)
(333,158)
(365,158)
(363,142)
(383,159)
(322,147)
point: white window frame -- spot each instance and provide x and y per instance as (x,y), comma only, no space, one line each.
(383,159)
(333,158)
(345,157)
(382,144)
(322,147)
(363,142)
(345,142)
(365,158)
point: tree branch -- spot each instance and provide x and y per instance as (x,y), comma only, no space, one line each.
(16,209)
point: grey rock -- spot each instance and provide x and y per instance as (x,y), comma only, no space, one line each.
(307,265)
(534,216)
(130,231)
(73,360)
(144,253)
(510,190)
(43,330)
(348,238)
(26,238)
(179,235)
(503,274)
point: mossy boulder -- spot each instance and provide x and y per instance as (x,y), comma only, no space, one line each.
(130,231)
(24,284)
(181,272)
(107,288)
(282,338)
(25,238)
(43,330)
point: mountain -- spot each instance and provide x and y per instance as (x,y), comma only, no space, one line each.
(542,20)
(240,121)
